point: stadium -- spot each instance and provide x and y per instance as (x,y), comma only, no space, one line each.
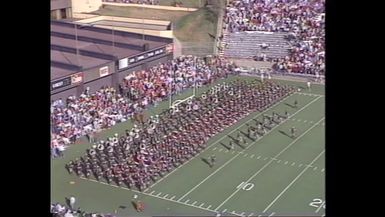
(187,108)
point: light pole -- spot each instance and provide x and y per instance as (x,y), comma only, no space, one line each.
(76,42)
(113,36)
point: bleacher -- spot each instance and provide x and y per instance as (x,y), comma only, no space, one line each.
(248,44)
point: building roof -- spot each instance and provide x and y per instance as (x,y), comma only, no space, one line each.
(84,47)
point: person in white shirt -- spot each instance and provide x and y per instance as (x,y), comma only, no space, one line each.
(308,85)
(72,202)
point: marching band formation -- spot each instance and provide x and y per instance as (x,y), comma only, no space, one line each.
(151,150)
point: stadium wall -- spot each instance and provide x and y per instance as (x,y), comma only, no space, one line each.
(103,75)
(170,8)
(85,6)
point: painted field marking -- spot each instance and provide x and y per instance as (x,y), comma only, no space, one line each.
(299,120)
(279,161)
(242,213)
(138,192)
(251,214)
(232,131)
(214,148)
(159,194)
(246,186)
(272,214)
(300,165)
(233,152)
(273,158)
(323,170)
(194,203)
(245,155)
(220,150)
(311,122)
(258,157)
(202,204)
(252,156)
(165,196)
(286,162)
(235,156)
(209,207)
(224,210)
(265,158)
(315,168)
(305,121)
(293,164)
(172,197)
(291,183)
(294,141)
(293,119)
(152,192)
(319,208)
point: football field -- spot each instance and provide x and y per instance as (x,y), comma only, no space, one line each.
(274,175)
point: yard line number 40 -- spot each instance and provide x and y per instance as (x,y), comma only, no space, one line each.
(246,186)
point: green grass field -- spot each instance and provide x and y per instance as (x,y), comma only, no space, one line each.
(273,176)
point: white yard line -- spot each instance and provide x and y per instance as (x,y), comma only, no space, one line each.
(319,208)
(174,201)
(235,156)
(292,182)
(267,164)
(220,139)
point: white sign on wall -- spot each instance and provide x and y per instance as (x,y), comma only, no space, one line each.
(103,71)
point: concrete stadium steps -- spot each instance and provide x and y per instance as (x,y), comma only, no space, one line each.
(248,44)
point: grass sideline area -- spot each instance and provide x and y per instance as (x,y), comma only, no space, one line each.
(273,175)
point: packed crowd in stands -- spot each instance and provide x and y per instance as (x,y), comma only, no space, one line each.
(146,2)
(91,112)
(303,20)
(59,210)
(149,151)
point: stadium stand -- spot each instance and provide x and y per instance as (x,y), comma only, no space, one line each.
(249,44)
(91,112)
(302,20)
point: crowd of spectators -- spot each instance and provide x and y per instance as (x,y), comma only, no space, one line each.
(91,112)
(303,20)
(59,210)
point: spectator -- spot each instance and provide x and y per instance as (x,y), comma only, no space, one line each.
(92,112)
(303,20)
